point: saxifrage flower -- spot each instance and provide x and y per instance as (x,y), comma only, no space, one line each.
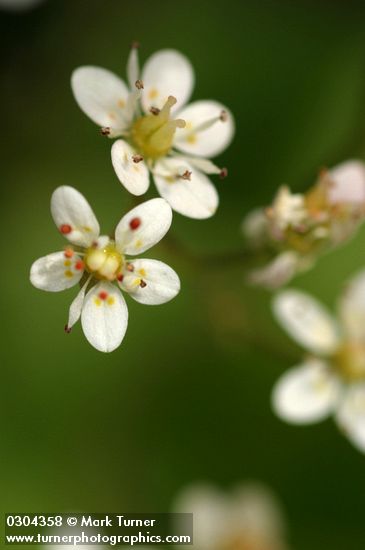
(331,379)
(100,265)
(299,227)
(160,134)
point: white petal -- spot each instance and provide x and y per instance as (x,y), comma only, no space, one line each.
(76,307)
(196,198)
(154,219)
(102,96)
(55,272)
(207,142)
(255,511)
(165,73)
(74,217)
(134,176)
(202,164)
(255,227)
(352,307)
(104,317)
(349,183)
(307,321)
(210,512)
(276,273)
(162,283)
(307,393)
(351,415)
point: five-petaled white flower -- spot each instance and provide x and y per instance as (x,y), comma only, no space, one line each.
(247,518)
(97,262)
(297,228)
(145,116)
(332,379)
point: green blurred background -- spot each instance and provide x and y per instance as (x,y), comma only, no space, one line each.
(186,396)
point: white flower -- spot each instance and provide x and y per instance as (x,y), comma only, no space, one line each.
(249,517)
(332,379)
(98,262)
(171,144)
(297,228)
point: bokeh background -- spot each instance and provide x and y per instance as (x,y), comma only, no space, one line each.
(186,397)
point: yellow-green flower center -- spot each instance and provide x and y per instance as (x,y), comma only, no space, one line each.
(104,263)
(152,135)
(349,361)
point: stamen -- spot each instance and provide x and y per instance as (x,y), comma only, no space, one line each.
(67,329)
(223,116)
(135,223)
(139,84)
(186,175)
(79,265)
(105,131)
(223,173)
(103,295)
(155,111)
(165,111)
(130,267)
(65,228)
(142,283)
(137,158)
(120,277)
(135,45)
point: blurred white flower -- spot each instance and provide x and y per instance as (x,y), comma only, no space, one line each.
(97,262)
(19,5)
(332,379)
(248,518)
(297,228)
(174,145)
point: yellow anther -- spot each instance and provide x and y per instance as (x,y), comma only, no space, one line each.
(104,263)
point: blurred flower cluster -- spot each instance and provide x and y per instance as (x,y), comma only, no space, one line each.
(297,228)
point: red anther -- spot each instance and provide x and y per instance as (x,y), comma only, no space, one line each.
(105,131)
(68,253)
(135,45)
(142,283)
(65,229)
(135,223)
(120,277)
(223,173)
(130,267)
(79,265)
(103,295)
(155,110)
(67,329)
(139,84)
